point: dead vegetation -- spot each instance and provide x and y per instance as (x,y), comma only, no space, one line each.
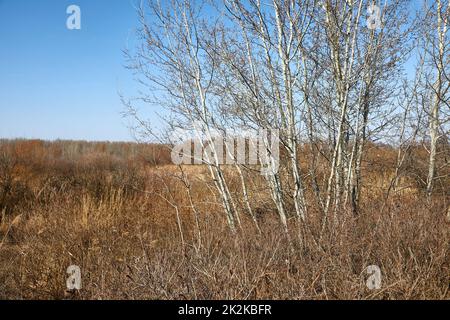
(131,227)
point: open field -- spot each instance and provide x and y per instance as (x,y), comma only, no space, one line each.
(124,214)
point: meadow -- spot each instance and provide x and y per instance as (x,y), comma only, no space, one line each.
(140,227)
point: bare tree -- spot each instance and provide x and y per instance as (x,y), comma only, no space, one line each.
(437,81)
(175,62)
(321,73)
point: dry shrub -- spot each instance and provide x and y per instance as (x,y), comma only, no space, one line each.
(118,222)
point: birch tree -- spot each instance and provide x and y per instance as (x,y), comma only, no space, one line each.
(438,81)
(176,67)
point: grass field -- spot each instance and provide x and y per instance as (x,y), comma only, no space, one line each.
(125,216)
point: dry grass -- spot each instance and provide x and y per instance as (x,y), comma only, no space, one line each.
(110,215)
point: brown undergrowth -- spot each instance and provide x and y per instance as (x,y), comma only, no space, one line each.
(115,216)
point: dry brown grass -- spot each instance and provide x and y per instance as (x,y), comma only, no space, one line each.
(110,216)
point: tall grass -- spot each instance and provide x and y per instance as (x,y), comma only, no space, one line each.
(114,215)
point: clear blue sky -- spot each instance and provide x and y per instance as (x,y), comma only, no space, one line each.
(60,83)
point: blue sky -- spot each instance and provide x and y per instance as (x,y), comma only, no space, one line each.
(60,83)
